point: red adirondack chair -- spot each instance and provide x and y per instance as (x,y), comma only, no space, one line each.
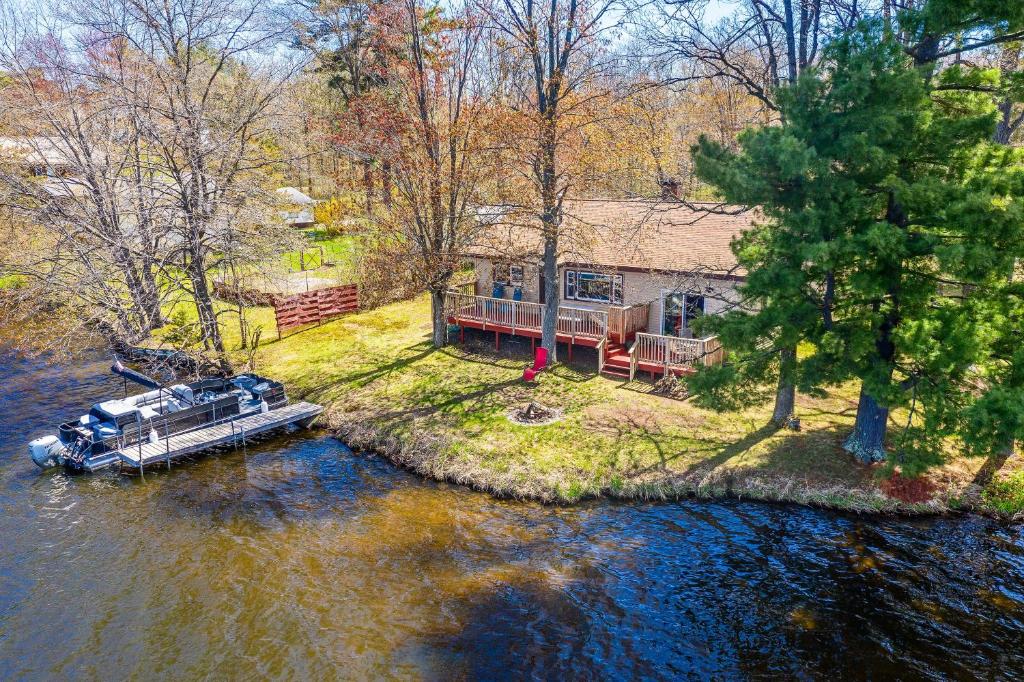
(540,361)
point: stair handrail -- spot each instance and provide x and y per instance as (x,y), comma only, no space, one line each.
(632,361)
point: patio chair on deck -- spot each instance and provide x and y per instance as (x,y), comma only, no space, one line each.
(497,292)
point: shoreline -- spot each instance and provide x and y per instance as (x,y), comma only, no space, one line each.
(444,414)
(420,458)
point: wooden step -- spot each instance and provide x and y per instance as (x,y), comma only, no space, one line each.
(616,371)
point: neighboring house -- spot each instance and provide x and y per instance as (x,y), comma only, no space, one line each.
(43,159)
(626,268)
(300,207)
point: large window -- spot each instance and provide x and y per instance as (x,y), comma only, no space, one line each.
(678,312)
(597,287)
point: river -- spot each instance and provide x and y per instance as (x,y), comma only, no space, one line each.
(297,558)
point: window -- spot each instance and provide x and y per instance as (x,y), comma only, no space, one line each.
(694,308)
(596,287)
(515,275)
(511,275)
(679,311)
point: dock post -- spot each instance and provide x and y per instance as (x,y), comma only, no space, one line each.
(138,420)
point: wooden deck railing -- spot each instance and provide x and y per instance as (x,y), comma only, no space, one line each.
(673,352)
(582,322)
(525,316)
(625,322)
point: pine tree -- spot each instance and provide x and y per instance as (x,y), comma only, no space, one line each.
(888,225)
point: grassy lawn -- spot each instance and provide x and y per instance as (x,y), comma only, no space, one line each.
(444,412)
(323,248)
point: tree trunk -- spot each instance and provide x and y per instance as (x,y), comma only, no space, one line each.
(790,29)
(1003,128)
(368,185)
(867,442)
(204,307)
(549,329)
(386,191)
(785,394)
(440,323)
(151,295)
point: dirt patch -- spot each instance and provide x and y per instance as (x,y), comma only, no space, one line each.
(671,387)
(909,489)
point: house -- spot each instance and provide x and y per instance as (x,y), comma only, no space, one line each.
(300,207)
(45,160)
(632,277)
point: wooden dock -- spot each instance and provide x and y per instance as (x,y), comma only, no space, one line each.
(225,433)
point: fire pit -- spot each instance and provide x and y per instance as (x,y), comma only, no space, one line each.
(534,414)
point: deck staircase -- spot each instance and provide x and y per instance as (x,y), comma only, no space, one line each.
(656,355)
(616,360)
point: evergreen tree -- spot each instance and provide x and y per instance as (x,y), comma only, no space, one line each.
(890,225)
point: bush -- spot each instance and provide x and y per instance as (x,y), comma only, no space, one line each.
(1007,494)
(340,214)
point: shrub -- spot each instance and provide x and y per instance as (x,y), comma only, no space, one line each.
(340,214)
(1007,494)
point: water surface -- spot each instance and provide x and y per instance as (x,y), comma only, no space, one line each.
(297,558)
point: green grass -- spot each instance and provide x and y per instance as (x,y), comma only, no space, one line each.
(323,249)
(444,412)
(1007,494)
(10,282)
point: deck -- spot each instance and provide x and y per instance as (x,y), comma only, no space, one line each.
(225,433)
(575,327)
(609,331)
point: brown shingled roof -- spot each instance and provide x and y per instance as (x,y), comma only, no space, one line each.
(639,234)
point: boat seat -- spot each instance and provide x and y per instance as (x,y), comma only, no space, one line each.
(147,412)
(104,430)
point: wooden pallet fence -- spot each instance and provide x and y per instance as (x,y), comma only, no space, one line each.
(315,307)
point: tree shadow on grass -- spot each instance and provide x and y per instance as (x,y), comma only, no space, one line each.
(477,399)
(691,451)
(724,450)
(474,355)
(365,377)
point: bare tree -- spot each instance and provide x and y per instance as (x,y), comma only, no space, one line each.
(759,46)
(75,170)
(440,160)
(554,68)
(212,80)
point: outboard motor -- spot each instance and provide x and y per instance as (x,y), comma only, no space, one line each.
(47,452)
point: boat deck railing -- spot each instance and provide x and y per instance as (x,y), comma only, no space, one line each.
(164,423)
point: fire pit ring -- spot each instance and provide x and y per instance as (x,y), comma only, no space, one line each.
(534,414)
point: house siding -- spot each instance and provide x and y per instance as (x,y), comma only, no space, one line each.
(637,287)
